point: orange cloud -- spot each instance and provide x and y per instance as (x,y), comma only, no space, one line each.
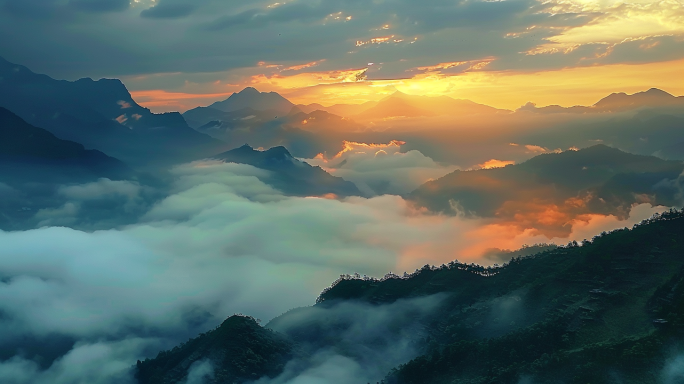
(494,163)
(303,66)
(349,146)
(159,100)
(377,40)
(442,66)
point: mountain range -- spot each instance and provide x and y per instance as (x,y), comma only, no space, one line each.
(100,115)
(549,190)
(616,102)
(400,104)
(305,134)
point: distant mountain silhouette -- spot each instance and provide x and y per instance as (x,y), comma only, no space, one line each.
(598,179)
(616,102)
(305,135)
(32,154)
(101,115)
(251,98)
(654,97)
(402,105)
(392,107)
(346,110)
(308,108)
(645,132)
(291,176)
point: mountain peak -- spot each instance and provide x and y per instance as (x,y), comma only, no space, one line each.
(279,151)
(251,98)
(653,97)
(248,91)
(657,92)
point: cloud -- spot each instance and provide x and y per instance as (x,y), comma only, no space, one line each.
(382,168)
(64,215)
(100,204)
(96,363)
(6,190)
(494,32)
(673,371)
(279,13)
(675,187)
(100,5)
(166,9)
(363,342)
(101,188)
(221,243)
(199,372)
(494,163)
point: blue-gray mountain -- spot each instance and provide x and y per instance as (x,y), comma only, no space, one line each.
(597,179)
(101,115)
(29,153)
(290,175)
(251,98)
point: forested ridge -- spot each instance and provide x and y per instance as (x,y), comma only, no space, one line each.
(610,308)
(608,311)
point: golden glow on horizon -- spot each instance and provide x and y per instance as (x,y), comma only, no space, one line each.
(159,100)
(505,89)
(606,25)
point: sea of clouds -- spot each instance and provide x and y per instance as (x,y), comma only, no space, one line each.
(82,306)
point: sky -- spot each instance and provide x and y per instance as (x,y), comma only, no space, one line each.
(178,54)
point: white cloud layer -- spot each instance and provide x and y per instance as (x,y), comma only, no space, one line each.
(383,169)
(222,243)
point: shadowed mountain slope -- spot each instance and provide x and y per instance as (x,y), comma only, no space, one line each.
(598,179)
(291,176)
(101,115)
(29,153)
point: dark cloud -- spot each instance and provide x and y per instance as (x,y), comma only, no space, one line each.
(649,49)
(219,36)
(169,10)
(285,13)
(100,5)
(29,8)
